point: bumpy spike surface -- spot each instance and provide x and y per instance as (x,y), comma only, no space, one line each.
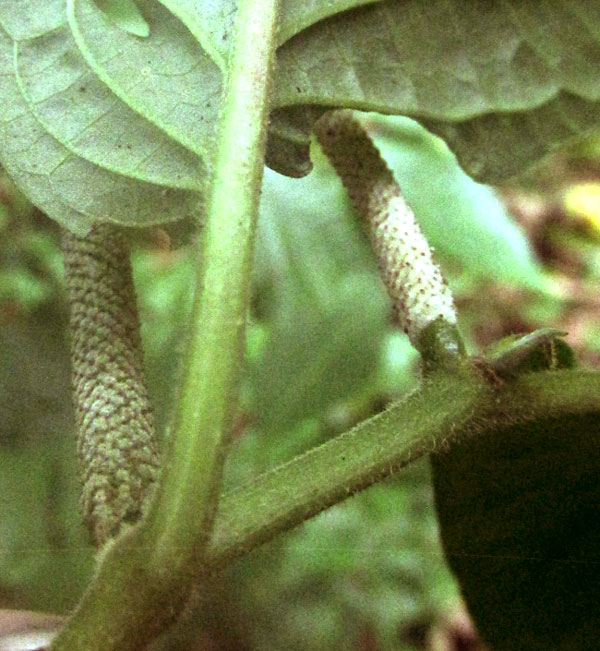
(414,282)
(116,434)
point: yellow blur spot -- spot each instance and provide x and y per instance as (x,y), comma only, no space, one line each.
(583,201)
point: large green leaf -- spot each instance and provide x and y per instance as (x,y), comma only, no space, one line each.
(98,161)
(25,151)
(519,513)
(517,77)
(166,78)
(100,121)
(519,518)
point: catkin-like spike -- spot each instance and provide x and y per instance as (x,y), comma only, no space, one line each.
(116,444)
(414,282)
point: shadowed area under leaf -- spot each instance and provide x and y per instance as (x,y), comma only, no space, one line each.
(519,512)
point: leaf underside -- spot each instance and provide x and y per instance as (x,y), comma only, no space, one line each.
(519,517)
(519,509)
(99,124)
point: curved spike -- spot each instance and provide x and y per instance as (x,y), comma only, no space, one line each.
(117,446)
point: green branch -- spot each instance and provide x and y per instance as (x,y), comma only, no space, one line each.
(282,498)
(448,408)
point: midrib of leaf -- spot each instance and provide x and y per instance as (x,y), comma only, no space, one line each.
(182,104)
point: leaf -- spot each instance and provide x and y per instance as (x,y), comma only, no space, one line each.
(20,21)
(463,220)
(166,77)
(519,520)
(67,186)
(26,154)
(42,542)
(502,84)
(318,268)
(79,111)
(296,16)
(518,508)
(126,15)
(493,148)
(211,21)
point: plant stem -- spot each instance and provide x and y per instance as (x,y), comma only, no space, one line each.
(448,408)
(145,576)
(181,516)
(282,498)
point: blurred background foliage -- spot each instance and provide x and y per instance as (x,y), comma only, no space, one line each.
(322,354)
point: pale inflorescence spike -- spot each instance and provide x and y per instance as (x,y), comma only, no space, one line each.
(116,434)
(414,282)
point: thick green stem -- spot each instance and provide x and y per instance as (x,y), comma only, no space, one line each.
(284,497)
(146,574)
(450,407)
(181,516)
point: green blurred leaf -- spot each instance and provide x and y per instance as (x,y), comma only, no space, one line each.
(463,220)
(23,288)
(164,301)
(370,566)
(42,543)
(320,350)
(45,559)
